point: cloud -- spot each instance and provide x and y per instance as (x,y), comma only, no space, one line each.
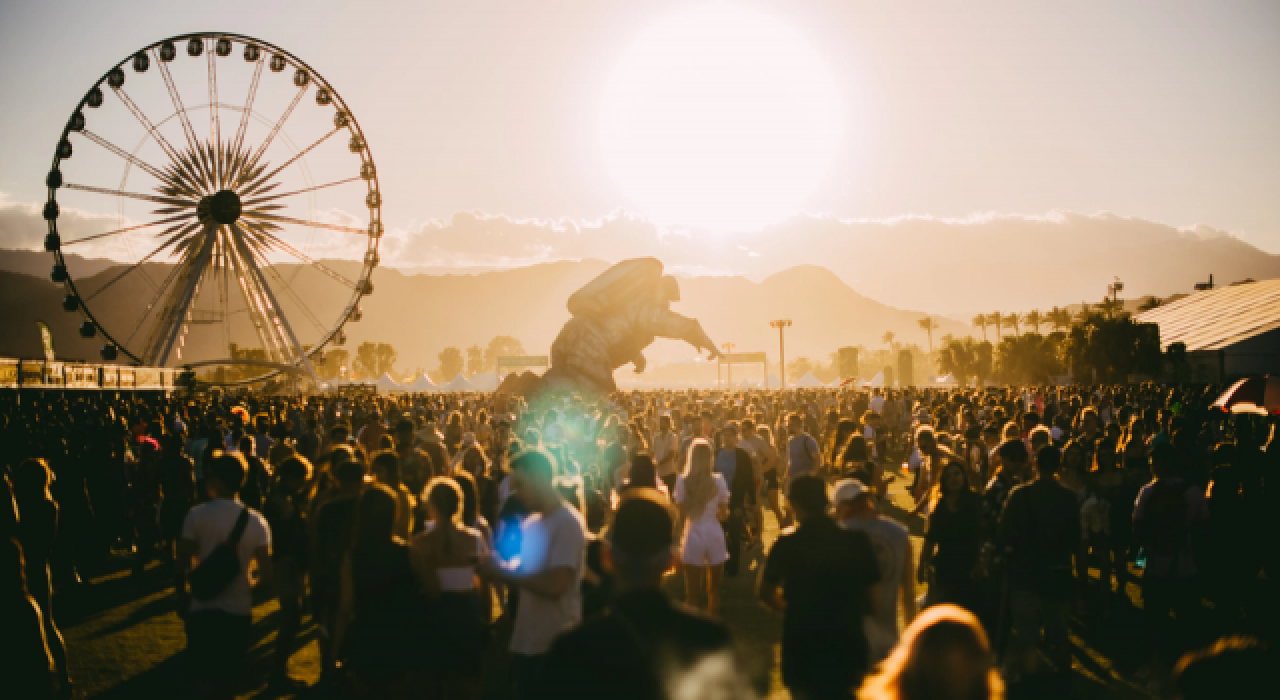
(22,226)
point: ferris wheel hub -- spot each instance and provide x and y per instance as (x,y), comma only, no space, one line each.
(222,207)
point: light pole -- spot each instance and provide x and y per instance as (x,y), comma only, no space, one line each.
(781,325)
(728,348)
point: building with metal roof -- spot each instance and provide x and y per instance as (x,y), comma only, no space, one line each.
(1229,332)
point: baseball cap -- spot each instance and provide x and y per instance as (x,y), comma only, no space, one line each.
(847,490)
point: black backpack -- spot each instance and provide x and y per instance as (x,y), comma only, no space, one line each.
(221,567)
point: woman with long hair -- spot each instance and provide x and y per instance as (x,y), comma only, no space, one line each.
(26,665)
(377,630)
(953,539)
(837,439)
(943,655)
(37,531)
(444,558)
(703,497)
(771,478)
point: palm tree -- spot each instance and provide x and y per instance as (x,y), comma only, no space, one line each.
(888,338)
(1084,313)
(1034,318)
(1012,321)
(1060,319)
(1110,306)
(981,322)
(927,324)
(994,320)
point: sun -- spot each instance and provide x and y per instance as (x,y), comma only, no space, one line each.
(719,117)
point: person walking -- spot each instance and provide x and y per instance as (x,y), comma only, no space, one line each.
(38,532)
(218,612)
(856,510)
(703,498)
(820,576)
(1040,528)
(944,655)
(549,577)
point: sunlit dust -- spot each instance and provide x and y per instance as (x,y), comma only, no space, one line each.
(720,117)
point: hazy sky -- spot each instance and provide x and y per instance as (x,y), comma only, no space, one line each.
(1168,111)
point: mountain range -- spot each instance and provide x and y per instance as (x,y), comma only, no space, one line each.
(422,314)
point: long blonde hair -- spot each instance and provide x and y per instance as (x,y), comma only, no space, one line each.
(915,670)
(699,484)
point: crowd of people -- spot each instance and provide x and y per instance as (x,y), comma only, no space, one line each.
(426,536)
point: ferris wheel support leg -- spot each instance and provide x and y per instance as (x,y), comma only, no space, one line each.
(283,321)
(255,301)
(172,319)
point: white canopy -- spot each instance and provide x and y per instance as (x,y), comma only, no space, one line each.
(422,384)
(459,383)
(386,383)
(486,381)
(947,380)
(877,381)
(808,381)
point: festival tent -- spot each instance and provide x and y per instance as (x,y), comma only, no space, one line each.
(486,381)
(422,384)
(946,380)
(877,381)
(808,381)
(386,383)
(459,383)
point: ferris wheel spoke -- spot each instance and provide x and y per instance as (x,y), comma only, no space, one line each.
(271,269)
(317,224)
(137,162)
(176,98)
(146,312)
(248,104)
(127,229)
(281,322)
(146,123)
(124,273)
(215,127)
(280,244)
(132,195)
(257,156)
(303,191)
(292,160)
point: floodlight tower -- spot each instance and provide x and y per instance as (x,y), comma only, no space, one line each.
(781,325)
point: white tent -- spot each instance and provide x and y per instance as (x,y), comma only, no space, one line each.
(459,383)
(422,384)
(946,380)
(808,381)
(877,381)
(486,381)
(386,383)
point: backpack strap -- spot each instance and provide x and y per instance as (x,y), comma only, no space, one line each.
(234,538)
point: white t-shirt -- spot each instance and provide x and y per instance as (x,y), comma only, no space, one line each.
(877,404)
(892,545)
(209,525)
(551,540)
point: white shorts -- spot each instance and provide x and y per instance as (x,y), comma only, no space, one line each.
(704,545)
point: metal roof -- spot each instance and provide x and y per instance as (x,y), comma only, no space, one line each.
(1218,318)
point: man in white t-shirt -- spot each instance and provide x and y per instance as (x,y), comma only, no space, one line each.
(856,510)
(549,575)
(877,401)
(218,628)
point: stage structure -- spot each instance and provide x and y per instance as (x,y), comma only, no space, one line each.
(729,359)
(233,168)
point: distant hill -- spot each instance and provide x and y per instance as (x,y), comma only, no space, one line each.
(422,314)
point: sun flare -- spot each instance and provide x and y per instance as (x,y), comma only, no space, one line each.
(719,117)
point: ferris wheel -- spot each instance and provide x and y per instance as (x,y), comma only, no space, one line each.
(243,199)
